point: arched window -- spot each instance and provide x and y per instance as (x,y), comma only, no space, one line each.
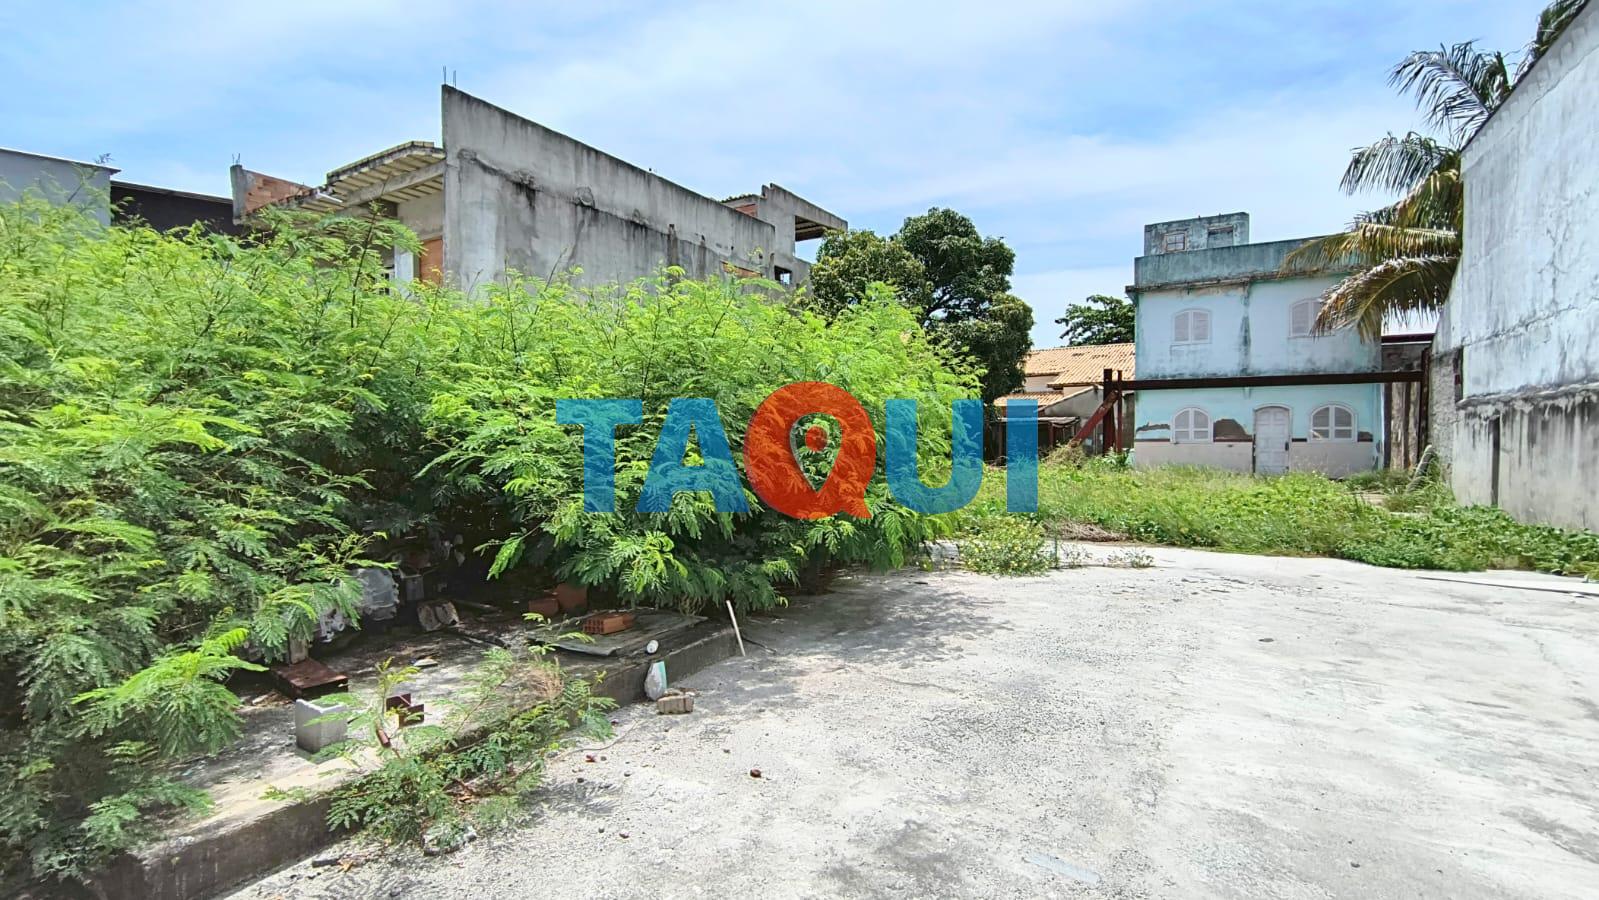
(1191,426)
(1302,317)
(1332,422)
(1191,326)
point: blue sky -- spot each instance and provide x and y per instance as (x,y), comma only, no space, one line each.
(1061,126)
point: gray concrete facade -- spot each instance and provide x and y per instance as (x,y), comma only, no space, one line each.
(1202,233)
(519,196)
(1516,375)
(505,194)
(58,180)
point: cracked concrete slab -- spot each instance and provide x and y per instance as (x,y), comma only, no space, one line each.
(1218,725)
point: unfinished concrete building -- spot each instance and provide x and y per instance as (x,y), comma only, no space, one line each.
(501,193)
(1516,357)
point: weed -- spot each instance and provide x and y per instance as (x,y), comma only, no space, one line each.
(1293,515)
(1004,545)
(1130,558)
(435,784)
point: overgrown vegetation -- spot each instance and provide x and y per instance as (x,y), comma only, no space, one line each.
(199,435)
(1296,514)
(437,785)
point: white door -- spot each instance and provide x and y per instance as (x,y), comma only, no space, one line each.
(1271,440)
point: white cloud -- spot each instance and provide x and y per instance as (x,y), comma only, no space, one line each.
(1062,125)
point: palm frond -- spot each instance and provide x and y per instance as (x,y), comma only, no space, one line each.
(1456,87)
(1436,203)
(1369,243)
(1551,23)
(1398,285)
(1395,164)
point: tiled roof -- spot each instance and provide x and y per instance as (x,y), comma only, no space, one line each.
(1044,398)
(1079,365)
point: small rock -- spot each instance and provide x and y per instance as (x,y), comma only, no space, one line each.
(622,834)
(426,662)
(755,773)
(1354,864)
(1267,640)
(588,757)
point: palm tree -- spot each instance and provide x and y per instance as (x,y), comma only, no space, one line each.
(1405,254)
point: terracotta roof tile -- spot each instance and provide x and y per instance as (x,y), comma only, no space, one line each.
(1044,398)
(1079,365)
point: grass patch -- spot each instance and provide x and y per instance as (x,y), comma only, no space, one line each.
(1294,515)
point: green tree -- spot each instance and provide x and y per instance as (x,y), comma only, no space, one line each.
(1101,319)
(956,281)
(850,261)
(1405,254)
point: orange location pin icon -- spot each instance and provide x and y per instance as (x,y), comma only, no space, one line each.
(775,473)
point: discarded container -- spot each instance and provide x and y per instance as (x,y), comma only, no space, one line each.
(311,735)
(655,681)
(608,623)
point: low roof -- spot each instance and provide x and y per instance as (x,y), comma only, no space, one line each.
(1045,399)
(1079,365)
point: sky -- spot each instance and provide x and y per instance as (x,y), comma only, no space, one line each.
(1061,126)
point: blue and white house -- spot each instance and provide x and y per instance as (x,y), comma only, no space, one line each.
(1211,305)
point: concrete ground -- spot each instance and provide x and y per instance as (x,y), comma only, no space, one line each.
(1217,725)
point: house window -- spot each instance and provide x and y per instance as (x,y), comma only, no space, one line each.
(1191,426)
(1302,318)
(784,276)
(1173,241)
(1220,236)
(1191,326)
(1332,423)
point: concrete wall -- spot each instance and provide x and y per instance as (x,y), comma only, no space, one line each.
(1249,332)
(58,180)
(1203,233)
(164,209)
(520,196)
(1245,261)
(1232,415)
(1523,313)
(425,215)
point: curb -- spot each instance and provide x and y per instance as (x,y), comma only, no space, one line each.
(194,867)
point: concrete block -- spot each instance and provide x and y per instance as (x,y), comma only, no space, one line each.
(674,704)
(312,736)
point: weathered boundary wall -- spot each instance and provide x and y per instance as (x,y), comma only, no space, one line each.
(1517,354)
(520,196)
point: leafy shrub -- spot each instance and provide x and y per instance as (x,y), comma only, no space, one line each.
(199,435)
(722,339)
(191,431)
